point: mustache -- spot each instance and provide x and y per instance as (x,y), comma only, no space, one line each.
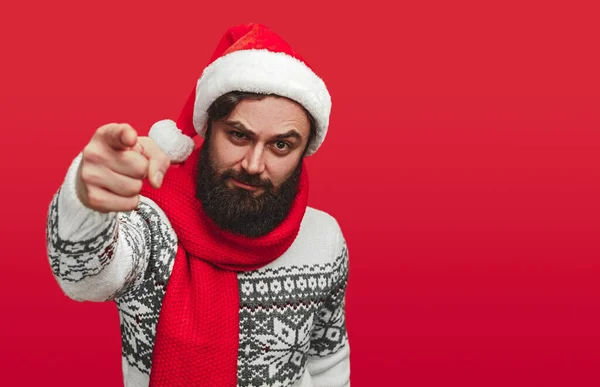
(246,178)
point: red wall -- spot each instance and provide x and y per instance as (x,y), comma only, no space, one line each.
(462,163)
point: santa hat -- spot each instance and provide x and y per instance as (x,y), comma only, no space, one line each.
(249,58)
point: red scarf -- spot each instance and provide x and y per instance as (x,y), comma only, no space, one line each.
(197,333)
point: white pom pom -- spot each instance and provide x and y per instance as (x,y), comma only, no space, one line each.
(171,140)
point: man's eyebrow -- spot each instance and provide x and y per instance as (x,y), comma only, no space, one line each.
(239,126)
(290,133)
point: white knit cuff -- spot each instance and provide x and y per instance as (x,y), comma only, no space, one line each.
(76,222)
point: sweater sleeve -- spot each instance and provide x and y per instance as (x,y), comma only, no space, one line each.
(329,356)
(94,256)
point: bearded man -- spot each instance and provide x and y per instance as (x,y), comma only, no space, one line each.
(222,275)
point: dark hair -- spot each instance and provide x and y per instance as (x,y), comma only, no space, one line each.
(224,105)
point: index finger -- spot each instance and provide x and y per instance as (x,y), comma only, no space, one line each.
(118,136)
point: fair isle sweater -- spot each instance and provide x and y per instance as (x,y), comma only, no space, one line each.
(292,311)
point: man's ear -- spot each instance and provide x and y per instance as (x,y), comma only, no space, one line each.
(207,129)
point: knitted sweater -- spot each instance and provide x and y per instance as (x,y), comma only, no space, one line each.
(291,318)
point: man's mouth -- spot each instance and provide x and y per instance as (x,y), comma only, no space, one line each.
(244,185)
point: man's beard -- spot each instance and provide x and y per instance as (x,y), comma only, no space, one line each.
(237,209)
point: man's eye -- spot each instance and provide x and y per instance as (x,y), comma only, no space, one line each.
(281,145)
(239,135)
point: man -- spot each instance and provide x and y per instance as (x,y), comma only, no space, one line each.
(221,273)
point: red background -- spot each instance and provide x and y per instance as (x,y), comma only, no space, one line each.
(461,162)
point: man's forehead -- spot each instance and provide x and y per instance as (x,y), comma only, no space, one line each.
(270,116)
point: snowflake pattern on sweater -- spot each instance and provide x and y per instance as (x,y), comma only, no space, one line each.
(281,312)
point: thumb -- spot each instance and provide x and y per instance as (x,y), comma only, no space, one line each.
(159,162)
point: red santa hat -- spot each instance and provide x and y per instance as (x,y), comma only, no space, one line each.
(249,58)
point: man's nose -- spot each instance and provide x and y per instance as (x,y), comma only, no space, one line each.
(253,161)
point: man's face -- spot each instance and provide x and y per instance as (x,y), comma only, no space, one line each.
(250,165)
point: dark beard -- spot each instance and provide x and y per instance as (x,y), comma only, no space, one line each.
(238,210)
